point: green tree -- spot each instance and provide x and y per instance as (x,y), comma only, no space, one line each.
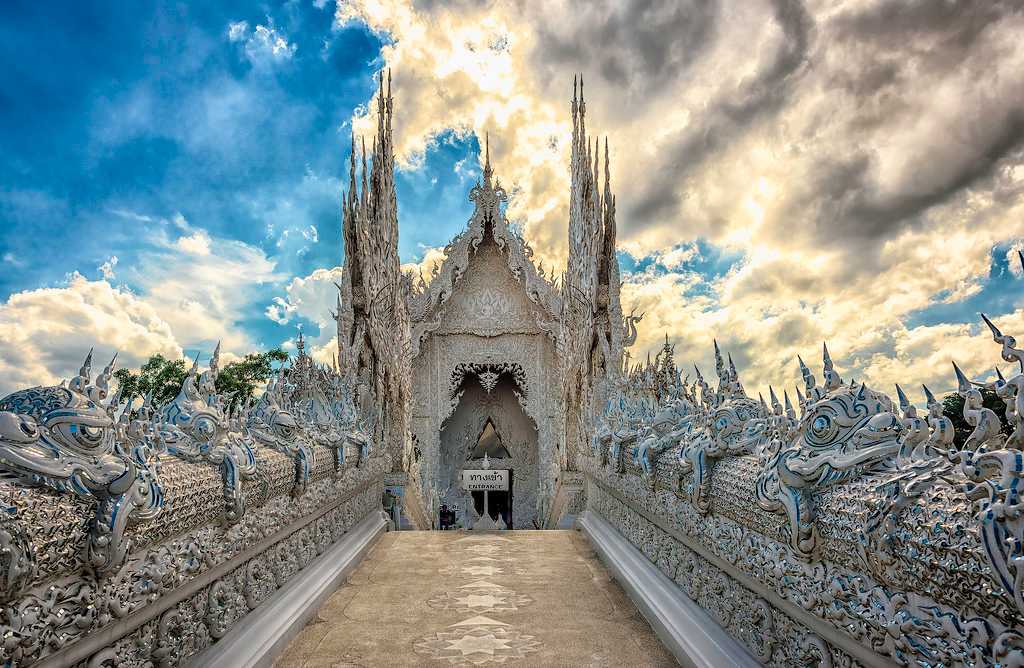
(953,408)
(164,377)
(159,375)
(239,379)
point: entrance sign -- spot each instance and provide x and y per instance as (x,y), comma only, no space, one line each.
(480,480)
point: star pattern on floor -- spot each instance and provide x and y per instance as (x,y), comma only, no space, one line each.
(480,600)
(477,645)
(478,639)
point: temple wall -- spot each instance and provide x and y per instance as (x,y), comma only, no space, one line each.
(926,599)
(188,578)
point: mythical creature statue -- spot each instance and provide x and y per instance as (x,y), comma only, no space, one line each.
(194,427)
(734,426)
(629,328)
(1010,391)
(672,421)
(984,420)
(994,469)
(64,438)
(276,428)
(844,431)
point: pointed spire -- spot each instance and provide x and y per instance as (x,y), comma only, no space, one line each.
(86,370)
(215,360)
(902,397)
(832,379)
(719,363)
(997,336)
(806,374)
(790,413)
(963,385)
(488,172)
(607,171)
(928,396)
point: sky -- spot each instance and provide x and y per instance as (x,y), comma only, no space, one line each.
(786,172)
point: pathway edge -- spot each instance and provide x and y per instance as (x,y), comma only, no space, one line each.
(265,633)
(686,630)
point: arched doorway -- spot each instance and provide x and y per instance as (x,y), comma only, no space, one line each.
(489,420)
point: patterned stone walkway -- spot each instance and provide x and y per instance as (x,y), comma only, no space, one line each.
(452,598)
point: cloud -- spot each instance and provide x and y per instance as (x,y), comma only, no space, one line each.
(197,243)
(47,332)
(314,298)
(861,161)
(263,46)
(107,268)
(432,257)
(204,286)
(189,290)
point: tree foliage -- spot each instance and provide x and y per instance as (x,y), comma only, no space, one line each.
(160,376)
(240,379)
(164,377)
(953,408)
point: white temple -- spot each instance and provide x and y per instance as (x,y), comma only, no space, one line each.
(489,338)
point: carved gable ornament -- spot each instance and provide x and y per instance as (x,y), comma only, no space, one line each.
(492,302)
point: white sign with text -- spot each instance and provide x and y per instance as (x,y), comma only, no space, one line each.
(493,480)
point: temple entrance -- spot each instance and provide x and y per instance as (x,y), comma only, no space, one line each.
(499,504)
(490,430)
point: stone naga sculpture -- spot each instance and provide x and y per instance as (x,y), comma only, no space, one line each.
(669,425)
(274,427)
(1010,391)
(995,473)
(844,432)
(735,425)
(195,428)
(64,438)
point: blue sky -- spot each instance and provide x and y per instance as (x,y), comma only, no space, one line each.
(114,118)
(205,147)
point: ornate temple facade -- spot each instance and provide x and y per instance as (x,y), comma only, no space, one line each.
(837,526)
(488,338)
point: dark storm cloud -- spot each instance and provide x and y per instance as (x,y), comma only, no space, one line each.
(960,22)
(634,48)
(881,60)
(727,118)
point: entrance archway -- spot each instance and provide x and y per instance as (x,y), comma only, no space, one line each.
(489,419)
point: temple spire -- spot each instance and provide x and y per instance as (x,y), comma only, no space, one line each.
(488,172)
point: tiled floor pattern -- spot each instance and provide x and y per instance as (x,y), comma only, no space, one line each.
(452,598)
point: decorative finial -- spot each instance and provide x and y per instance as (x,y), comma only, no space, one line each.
(86,369)
(963,385)
(832,379)
(904,402)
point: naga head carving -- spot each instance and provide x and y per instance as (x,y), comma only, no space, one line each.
(194,422)
(846,428)
(62,437)
(728,425)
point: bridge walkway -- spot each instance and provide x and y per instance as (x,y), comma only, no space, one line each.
(454,598)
